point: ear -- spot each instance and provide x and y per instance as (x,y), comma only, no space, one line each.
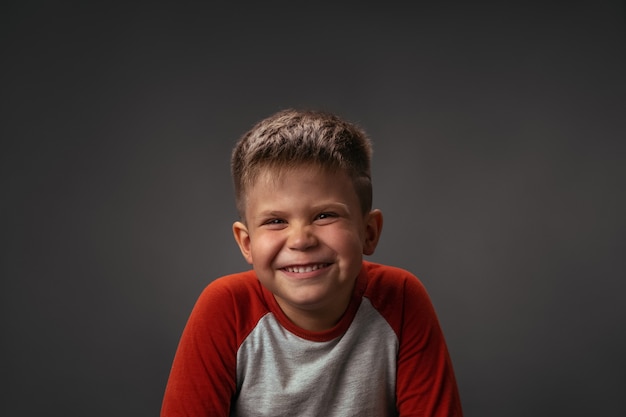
(242,237)
(373,229)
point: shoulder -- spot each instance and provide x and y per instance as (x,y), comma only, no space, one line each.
(230,304)
(235,280)
(390,281)
(232,287)
(398,295)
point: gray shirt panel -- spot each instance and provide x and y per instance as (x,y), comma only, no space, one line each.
(281,374)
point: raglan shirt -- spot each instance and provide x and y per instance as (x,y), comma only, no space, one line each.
(239,355)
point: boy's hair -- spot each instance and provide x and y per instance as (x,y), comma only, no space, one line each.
(293,138)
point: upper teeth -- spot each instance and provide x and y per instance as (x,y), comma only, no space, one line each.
(302,269)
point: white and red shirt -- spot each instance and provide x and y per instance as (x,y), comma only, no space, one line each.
(239,354)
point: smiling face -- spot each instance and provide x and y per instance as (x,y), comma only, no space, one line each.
(305,236)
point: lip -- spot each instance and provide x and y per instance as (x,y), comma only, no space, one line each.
(304,271)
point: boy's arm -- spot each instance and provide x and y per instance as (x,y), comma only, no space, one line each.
(202,378)
(426,384)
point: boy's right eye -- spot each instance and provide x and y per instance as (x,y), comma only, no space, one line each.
(274,222)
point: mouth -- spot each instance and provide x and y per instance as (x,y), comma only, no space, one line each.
(302,269)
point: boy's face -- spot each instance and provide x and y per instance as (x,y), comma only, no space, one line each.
(305,235)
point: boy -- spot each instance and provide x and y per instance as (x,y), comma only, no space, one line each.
(312,329)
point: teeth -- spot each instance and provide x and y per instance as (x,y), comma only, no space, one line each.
(303,269)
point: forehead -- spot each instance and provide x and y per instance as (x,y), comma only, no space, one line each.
(304,176)
(270,175)
(311,182)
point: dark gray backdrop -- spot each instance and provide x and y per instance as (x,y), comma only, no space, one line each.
(499,164)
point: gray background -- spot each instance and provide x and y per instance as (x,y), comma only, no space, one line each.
(499,163)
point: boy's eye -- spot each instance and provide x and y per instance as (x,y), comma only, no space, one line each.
(326,216)
(276,223)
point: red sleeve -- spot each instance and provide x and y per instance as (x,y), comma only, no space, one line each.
(202,380)
(426,384)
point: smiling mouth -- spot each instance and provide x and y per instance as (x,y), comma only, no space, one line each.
(301,269)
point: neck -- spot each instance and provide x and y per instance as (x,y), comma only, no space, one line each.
(316,319)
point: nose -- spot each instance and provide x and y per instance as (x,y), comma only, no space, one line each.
(301,237)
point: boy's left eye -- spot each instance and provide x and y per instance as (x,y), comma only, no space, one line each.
(323,216)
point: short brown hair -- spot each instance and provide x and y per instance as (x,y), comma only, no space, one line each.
(291,138)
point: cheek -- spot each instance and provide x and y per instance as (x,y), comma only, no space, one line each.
(264,247)
(344,240)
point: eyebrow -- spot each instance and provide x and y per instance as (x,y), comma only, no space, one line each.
(316,208)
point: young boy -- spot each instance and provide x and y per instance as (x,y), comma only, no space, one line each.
(312,329)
